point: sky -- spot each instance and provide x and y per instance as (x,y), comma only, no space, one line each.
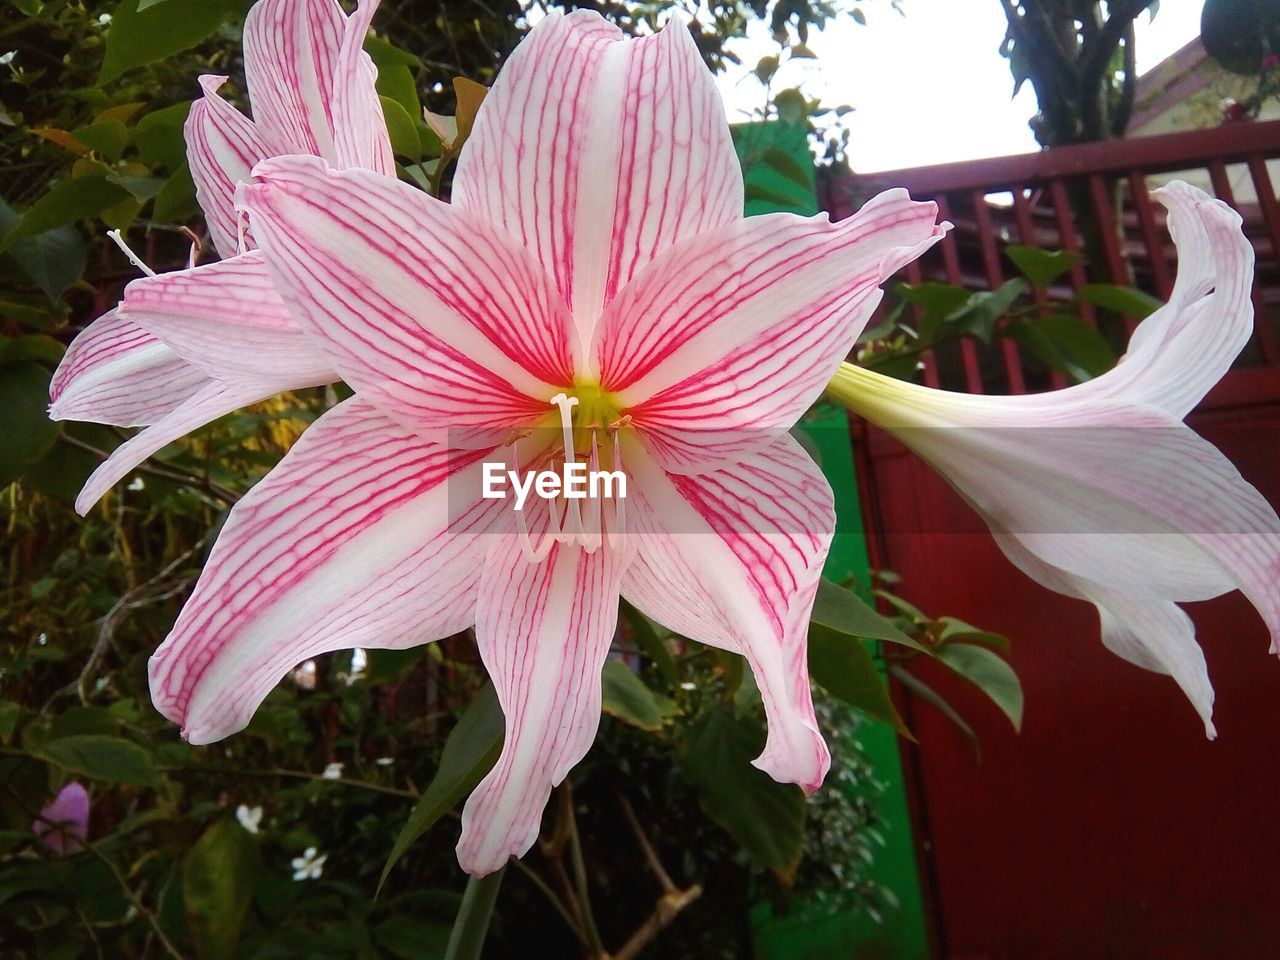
(930,86)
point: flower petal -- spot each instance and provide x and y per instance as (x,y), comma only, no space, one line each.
(425,311)
(730,336)
(598,152)
(115,372)
(223,145)
(349,542)
(1153,634)
(290,51)
(207,404)
(1179,352)
(1109,493)
(733,559)
(544,630)
(360,136)
(227,319)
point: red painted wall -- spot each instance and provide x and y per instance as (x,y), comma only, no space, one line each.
(1110,828)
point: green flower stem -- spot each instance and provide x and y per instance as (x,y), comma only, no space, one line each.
(469,930)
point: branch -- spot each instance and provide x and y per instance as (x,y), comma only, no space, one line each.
(668,907)
(1097,55)
(1124,108)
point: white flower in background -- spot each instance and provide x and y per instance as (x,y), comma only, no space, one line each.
(308,866)
(332,772)
(384,761)
(304,675)
(359,664)
(7,58)
(249,817)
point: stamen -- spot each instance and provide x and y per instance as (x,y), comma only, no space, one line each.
(531,553)
(618,528)
(566,405)
(194,255)
(133,257)
(241,229)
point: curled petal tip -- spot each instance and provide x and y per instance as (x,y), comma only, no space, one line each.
(211,82)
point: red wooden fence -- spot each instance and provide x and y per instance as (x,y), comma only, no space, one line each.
(1109,828)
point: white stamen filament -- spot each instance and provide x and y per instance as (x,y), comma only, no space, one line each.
(572,528)
(133,257)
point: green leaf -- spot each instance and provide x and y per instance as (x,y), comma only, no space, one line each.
(764,816)
(1127,300)
(842,611)
(10,713)
(141,188)
(395,80)
(400,126)
(843,666)
(653,646)
(1041,267)
(469,753)
(383,53)
(218,875)
(990,673)
(979,315)
(177,198)
(141,36)
(930,696)
(28,431)
(791,105)
(1064,342)
(110,759)
(108,138)
(54,260)
(627,698)
(789,167)
(66,202)
(158,137)
(469,95)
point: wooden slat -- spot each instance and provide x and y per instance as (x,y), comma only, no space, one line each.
(1101,201)
(1151,235)
(995,277)
(1027,234)
(951,263)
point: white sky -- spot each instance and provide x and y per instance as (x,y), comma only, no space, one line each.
(930,86)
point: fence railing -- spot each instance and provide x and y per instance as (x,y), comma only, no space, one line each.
(1094,199)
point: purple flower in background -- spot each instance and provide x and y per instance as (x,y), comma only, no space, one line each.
(64,822)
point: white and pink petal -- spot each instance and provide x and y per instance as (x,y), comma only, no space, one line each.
(733,558)
(353,540)
(598,152)
(427,312)
(227,319)
(115,372)
(544,631)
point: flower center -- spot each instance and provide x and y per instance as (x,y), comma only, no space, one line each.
(589,420)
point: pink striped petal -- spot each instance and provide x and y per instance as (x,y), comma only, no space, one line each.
(223,145)
(727,338)
(543,630)
(227,319)
(115,372)
(360,137)
(733,559)
(290,53)
(351,541)
(205,405)
(425,311)
(598,153)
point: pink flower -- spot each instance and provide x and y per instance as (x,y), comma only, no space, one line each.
(190,346)
(594,277)
(65,821)
(1099,491)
